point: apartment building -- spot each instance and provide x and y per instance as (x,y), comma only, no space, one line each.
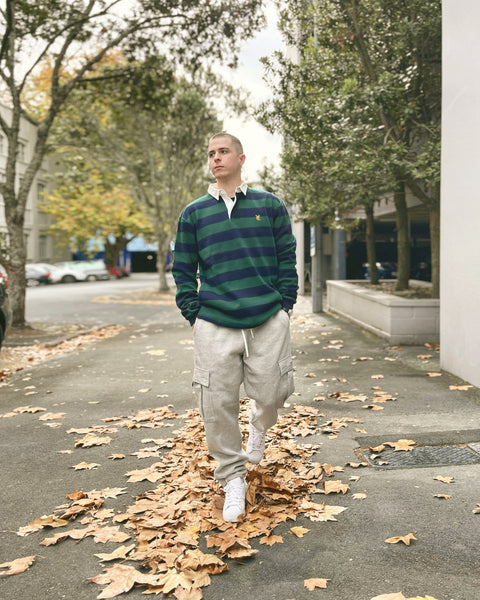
(39,243)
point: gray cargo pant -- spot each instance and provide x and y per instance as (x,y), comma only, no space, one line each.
(261,359)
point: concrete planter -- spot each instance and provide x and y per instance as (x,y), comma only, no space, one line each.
(398,320)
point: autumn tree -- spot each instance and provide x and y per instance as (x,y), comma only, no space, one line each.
(148,132)
(88,204)
(360,108)
(81,33)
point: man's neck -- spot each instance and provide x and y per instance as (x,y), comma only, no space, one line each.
(228,186)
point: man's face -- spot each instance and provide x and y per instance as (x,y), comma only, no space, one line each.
(224,160)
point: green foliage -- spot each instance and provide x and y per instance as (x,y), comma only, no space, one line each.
(129,155)
(360,107)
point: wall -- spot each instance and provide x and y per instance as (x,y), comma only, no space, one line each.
(460,229)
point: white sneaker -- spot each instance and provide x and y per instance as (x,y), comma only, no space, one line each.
(235,492)
(255,445)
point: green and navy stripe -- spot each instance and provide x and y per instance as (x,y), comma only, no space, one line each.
(246,262)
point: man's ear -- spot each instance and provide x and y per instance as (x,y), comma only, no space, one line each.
(242,159)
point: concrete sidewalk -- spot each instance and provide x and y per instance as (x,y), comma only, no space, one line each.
(366,393)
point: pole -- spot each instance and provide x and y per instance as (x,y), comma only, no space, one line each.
(316,256)
(339,250)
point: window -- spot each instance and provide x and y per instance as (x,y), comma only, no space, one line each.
(21,154)
(42,246)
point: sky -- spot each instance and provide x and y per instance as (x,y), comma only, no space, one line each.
(260,147)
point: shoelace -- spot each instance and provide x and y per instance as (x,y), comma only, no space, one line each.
(234,493)
(256,439)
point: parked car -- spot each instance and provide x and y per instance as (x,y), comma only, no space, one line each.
(386,270)
(37,274)
(95,270)
(5,310)
(63,272)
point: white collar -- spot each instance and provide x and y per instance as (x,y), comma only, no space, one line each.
(220,193)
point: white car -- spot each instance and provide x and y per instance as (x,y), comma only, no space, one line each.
(63,273)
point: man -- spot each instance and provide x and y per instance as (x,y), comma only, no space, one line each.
(240,240)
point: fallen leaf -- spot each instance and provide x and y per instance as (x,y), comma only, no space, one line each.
(120,552)
(335,487)
(311,584)
(377,376)
(443,479)
(406,539)
(476,510)
(299,531)
(359,496)
(92,439)
(442,496)
(434,374)
(405,445)
(116,456)
(397,596)
(85,466)
(460,387)
(270,540)
(19,565)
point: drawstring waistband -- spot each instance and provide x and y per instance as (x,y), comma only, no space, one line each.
(245,339)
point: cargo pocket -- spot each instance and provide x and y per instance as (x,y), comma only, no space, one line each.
(201,386)
(286,386)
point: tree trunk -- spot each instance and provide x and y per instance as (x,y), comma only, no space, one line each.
(371,250)
(163,246)
(403,238)
(16,273)
(435,249)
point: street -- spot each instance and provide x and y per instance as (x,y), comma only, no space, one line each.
(83,302)
(353,392)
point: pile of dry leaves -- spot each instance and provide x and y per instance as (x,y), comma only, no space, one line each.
(160,534)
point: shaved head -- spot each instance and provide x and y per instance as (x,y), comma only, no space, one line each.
(237,144)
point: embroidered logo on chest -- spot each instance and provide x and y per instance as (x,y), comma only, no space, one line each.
(258,217)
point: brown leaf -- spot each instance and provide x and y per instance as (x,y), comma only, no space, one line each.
(335,487)
(359,496)
(120,552)
(311,584)
(38,524)
(92,440)
(270,540)
(85,466)
(121,579)
(299,531)
(447,479)
(51,416)
(476,510)
(463,388)
(406,445)
(442,496)
(406,539)
(19,565)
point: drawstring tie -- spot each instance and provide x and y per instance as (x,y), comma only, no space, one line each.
(245,340)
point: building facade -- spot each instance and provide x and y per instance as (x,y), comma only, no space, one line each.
(39,243)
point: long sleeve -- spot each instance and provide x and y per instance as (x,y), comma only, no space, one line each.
(184,270)
(285,245)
